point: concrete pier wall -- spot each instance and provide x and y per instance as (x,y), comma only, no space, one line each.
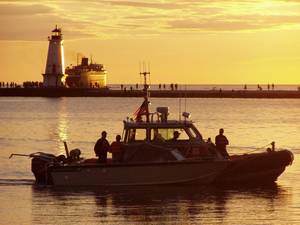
(84,92)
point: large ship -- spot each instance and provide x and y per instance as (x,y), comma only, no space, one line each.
(86,75)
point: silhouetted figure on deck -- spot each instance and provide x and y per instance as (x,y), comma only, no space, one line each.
(221,142)
(102,147)
(116,150)
(157,137)
(176,135)
(209,142)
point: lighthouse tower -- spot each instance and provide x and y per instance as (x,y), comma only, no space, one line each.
(55,67)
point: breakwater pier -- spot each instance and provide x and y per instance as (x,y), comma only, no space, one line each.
(105,92)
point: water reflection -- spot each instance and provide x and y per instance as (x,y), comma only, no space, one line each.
(60,126)
(157,204)
(62,131)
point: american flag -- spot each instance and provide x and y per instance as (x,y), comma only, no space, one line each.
(142,110)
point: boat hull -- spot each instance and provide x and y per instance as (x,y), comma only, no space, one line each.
(201,172)
(255,169)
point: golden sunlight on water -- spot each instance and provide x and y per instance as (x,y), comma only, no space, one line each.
(39,124)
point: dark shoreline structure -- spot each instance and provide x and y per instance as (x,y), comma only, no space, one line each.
(105,92)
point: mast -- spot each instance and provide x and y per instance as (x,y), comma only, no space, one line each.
(146,95)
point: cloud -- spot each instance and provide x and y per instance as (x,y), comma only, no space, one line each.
(19,9)
(35,22)
(145,4)
(216,25)
(235,23)
(27,20)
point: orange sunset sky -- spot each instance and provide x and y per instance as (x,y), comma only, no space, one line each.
(185,41)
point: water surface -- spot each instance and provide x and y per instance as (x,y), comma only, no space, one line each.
(41,124)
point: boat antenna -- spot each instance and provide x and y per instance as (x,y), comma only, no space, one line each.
(179,106)
(140,71)
(185,97)
(149,73)
(146,94)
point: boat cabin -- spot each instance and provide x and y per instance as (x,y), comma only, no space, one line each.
(173,134)
(160,131)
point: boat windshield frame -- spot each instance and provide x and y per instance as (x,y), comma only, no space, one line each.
(188,127)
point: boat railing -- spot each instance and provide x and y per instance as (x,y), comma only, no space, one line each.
(36,154)
(152,117)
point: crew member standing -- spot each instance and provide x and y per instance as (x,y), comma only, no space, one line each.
(221,142)
(102,147)
(116,150)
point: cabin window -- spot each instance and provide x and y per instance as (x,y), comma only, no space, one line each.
(137,135)
(168,134)
(159,135)
(183,135)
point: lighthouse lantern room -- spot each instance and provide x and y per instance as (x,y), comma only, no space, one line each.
(55,67)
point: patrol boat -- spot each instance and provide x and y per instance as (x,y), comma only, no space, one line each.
(157,150)
(150,156)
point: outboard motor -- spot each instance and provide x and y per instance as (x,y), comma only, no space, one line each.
(40,165)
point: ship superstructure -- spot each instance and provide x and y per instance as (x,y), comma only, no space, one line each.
(86,75)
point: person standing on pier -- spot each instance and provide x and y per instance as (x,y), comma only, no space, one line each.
(101,148)
(221,143)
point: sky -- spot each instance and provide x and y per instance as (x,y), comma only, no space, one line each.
(182,41)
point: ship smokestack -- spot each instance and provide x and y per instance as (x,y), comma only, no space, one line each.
(85,61)
(55,66)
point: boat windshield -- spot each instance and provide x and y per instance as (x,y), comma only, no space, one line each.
(161,134)
(167,134)
(136,135)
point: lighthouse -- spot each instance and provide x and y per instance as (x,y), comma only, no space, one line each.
(55,66)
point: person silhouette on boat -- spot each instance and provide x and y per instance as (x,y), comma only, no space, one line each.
(176,135)
(209,142)
(221,143)
(116,149)
(102,147)
(157,136)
